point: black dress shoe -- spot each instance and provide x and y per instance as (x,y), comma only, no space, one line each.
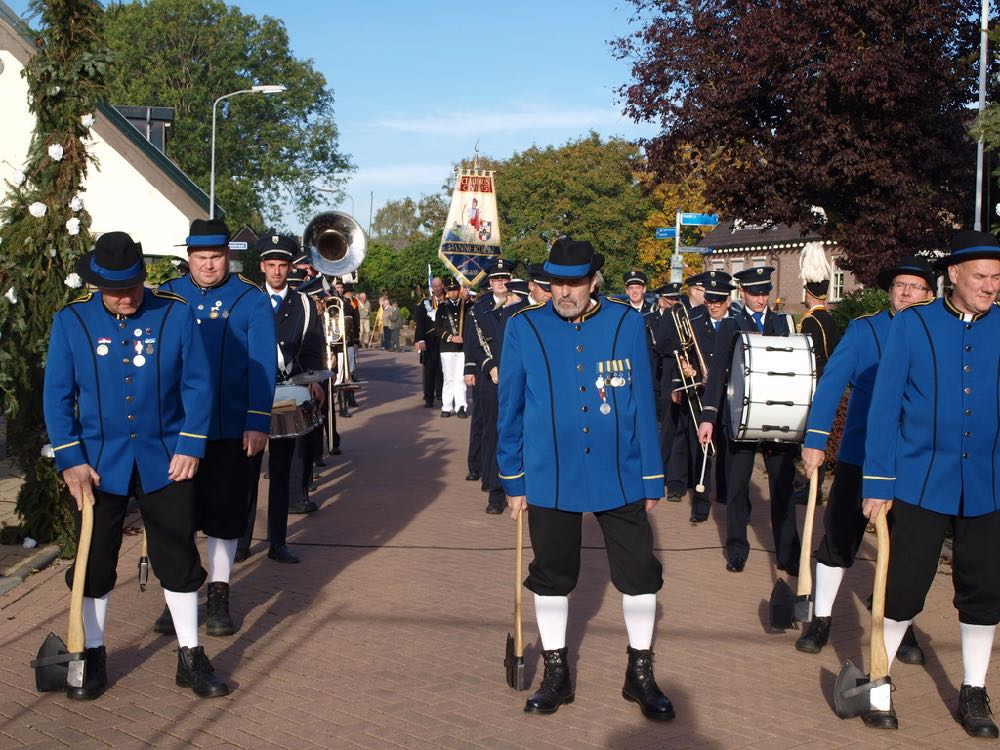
(974,712)
(95,676)
(195,671)
(675,496)
(164,623)
(555,688)
(282,554)
(640,686)
(736,564)
(445,414)
(494,510)
(335,451)
(880,719)
(909,651)
(428,404)
(302,508)
(319,462)
(813,640)
(217,619)
(697,519)
(472,476)
(241,555)
(462,413)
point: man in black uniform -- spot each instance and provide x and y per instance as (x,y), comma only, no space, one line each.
(450,324)
(427,343)
(300,348)
(779,458)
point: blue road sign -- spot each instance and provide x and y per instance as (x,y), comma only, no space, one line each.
(665,233)
(699,220)
(695,249)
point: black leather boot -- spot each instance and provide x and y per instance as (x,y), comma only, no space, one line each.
(909,651)
(195,671)
(95,676)
(217,619)
(880,719)
(556,687)
(974,712)
(813,640)
(640,686)
(164,623)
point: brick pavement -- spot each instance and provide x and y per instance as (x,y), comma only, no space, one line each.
(391,631)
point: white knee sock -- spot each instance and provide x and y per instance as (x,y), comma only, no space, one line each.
(95,612)
(827,585)
(184,611)
(220,559)
(551,614)
(881,696)
(977,645)
(640,616)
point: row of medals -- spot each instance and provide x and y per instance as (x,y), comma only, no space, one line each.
(611,373)
(138,360)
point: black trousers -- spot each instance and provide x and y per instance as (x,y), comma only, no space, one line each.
(476,428)
(916,538)
(170,518)
(253,484)
(488,405)
(556,537)
(779,458)
(668,427)
(843,520)
(221,487)
(433,376)
(288,469)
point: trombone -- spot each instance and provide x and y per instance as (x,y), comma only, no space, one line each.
(689,383)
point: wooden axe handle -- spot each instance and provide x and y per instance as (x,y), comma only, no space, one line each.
(805,586)
(75,640)
(145,543)
(519,553)
(879,658)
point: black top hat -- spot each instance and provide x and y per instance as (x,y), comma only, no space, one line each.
(757,279)
(717,289)
(969,245)
(572,259)
(207,233)
(277,247)
(500,269)
(114,263)
(635,277)
(912,265)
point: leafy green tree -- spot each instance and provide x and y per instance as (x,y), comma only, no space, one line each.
(270,149)
(44,229)
(397,221)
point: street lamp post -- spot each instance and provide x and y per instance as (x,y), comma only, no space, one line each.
(261,89)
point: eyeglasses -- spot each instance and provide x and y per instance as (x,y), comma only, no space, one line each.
(909,287)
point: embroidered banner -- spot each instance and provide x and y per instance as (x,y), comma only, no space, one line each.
(471,238)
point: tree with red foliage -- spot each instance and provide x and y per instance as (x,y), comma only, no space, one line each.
(848,117)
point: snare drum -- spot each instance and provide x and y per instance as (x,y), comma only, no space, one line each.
(771,387)
(293,413)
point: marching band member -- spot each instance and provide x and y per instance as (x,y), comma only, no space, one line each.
(484,406)
(817,321)
(450,325)
(427,343)
(128,406)
(939,466)
(779,458)
(854,362)
(228,307)
(605,462)
(539,287)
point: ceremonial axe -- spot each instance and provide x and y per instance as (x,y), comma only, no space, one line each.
(58,666)
(852,691)
(514,659)
(784,607)
(144,563)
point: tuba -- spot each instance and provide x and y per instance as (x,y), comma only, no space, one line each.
(336,243)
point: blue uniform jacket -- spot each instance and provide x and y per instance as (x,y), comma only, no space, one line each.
(855,362)
(492,324)
(124,391)
(934,421)
(555,446)
(236,322)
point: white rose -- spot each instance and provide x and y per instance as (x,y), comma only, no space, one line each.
(56,152)
(87,120)
(73,226)
(47,451)
(17,179)
(11,295)
(76,203)
(37,210)
(29,543)
(73,281)
(54,90)
(52,252)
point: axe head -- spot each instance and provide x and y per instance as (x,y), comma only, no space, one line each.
(514,666)
(803,608)
(143,572)
(852,691)
(51,664)
(781,607)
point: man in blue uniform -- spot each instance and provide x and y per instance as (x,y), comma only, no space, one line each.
(854,362)
(235,321)
(577,434)
(128,404)
(940,467)
(779,458)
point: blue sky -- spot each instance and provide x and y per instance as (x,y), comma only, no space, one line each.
(417,82)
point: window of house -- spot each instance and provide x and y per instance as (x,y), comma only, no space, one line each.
(836,286)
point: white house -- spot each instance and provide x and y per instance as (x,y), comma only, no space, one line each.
(134,188)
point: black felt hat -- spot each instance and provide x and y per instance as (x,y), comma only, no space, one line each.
(911,265)
(114,263)
(572,259)
(207,233)
(969,245)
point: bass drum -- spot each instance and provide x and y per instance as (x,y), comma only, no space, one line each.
(771,387)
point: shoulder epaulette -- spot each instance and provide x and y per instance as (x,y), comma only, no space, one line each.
(922,303)
(251,282)
(529,307)
(618,301)
(869,314)
(168,295)
(81,298)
